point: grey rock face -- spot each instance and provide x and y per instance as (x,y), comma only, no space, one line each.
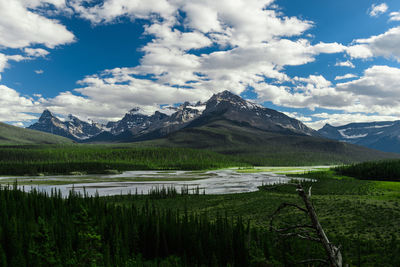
(137,126)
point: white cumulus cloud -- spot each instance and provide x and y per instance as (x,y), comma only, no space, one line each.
(5,58)
(21,27)
(36,52)
(339,119)
(197,48)
(347,63)
(385,45)
(394,16)
(14,107)
(377,10)
(346,76)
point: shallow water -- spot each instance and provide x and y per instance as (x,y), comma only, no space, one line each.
(224,181)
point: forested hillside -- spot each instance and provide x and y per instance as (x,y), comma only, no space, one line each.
(11,135)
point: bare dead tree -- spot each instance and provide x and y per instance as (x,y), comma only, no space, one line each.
(312,232)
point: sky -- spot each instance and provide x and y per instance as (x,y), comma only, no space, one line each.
(319,61)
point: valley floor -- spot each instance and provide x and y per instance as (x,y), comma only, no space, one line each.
(361,216)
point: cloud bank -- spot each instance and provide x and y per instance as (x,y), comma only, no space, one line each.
(198,48)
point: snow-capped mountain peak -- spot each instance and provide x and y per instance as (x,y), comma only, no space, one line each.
(136,123)
(73,127)
(135,110)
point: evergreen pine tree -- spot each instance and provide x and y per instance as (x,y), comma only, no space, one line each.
(43,250)
(89,241)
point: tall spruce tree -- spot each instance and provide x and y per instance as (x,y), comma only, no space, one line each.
(43,251)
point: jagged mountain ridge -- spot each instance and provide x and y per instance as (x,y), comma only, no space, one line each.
(135,121)
(135,126)
(384,135)
(72,128)
(235,108)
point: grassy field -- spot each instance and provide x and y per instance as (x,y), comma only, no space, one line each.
(280,170)
(362,216)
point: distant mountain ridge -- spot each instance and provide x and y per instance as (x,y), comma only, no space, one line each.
(384,135)
(72,128)
(135,126)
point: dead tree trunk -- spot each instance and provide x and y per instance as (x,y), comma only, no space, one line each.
(304,231)
(333,253)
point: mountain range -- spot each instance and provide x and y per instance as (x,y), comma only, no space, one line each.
(227,124)
(384,135)
(135,126)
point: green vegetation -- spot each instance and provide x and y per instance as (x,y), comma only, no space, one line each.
(37,230)
(362,216)
(231,148)
(170,228)
(377,170)
(279,170)
(219,143)
(11,135)
(43,180)
(262,148)
(32,160)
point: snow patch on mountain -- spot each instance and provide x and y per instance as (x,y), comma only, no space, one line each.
(342,132)
(139,124)
(381,135)
(378,126)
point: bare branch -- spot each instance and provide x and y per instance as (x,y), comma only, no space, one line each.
(310,238)
(281,207)
(299,235)
(294,227)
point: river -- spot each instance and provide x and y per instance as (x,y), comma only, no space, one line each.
(224,181)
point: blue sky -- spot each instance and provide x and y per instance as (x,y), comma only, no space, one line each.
(319,61)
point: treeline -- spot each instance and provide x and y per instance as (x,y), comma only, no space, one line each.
(375,170)
(36,230)
(41,230)
(21,160)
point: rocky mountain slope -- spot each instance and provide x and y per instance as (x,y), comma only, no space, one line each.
(226,124)
(72,128)
(384,135)
(135,126)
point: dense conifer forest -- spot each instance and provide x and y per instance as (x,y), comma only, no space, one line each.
(33,160)
(170,228)
(374,170)
(38,230)
(41,230)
